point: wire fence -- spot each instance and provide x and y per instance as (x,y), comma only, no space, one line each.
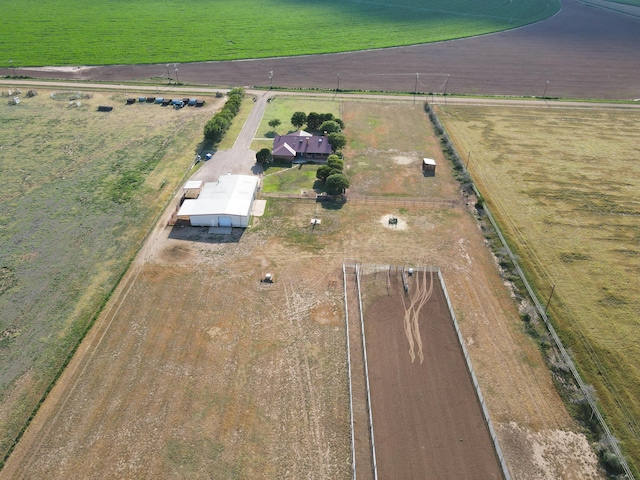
(611,440)
(403,201)
(346,313)
(368,269)
(369,199)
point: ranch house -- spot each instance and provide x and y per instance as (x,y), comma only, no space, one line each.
(301,146)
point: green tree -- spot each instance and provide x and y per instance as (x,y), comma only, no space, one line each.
(335,163)
(339,122)
(215,128)
(274,123)
(264,157)
(323,172)
(330,126)
(298,119)
(336,184)
(337,141)
(314,120)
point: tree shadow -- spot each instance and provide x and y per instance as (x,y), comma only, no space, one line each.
(332,202)
(204,147)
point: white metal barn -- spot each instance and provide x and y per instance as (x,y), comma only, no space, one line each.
(225,203)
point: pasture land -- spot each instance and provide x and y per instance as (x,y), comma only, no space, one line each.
(80,189)
(80,32)
(197,369)
(563,184)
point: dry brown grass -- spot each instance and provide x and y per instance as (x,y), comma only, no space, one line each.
(198,370)
(564,185)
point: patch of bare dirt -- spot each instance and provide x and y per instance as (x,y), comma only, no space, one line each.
(548,454)
(393,222)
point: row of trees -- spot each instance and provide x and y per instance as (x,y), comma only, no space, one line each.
(215,128)
(318,122)
(335,182)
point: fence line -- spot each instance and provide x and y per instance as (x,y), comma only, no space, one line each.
(476,385)
(369,199)
(402,201)
(366,376)
(565,356)
(346,313)
(543,314)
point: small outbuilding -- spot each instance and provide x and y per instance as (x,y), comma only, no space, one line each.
(192,188)
(225,203)
(429,166)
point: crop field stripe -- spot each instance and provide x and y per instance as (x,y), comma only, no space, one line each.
(138,33)
(346,315)
(476,385)
(541,311)
(366,375)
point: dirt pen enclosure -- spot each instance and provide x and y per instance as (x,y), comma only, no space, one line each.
(427,420)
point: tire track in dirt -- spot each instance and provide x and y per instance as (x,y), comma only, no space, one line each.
(296,307)
(412,314)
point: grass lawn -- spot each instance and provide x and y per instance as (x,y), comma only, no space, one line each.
(77,32)
(563,184)
(292,180)
(384,161)
(80,190)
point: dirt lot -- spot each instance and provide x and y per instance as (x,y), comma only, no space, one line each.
(583,52)
(196,369)
(426,414)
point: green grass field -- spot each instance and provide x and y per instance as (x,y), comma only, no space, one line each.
(80,189)
(563,184)
(81,32)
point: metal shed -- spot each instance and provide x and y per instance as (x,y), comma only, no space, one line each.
(429,165)
(225,203)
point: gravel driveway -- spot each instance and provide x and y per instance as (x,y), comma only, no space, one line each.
(240,159)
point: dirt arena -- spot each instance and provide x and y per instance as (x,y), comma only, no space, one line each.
(427,419)
(583,52)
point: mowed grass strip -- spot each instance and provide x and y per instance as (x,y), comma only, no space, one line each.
(72,32)
(564,186)
(80,190)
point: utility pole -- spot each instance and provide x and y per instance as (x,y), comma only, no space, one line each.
(544,94)
(270,79)
(175,66)
(446,83)
(415,88)
(338,89)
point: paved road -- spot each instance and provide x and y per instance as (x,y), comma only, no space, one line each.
(435,99)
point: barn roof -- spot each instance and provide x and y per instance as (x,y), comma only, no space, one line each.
(230,195)
(192,184)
